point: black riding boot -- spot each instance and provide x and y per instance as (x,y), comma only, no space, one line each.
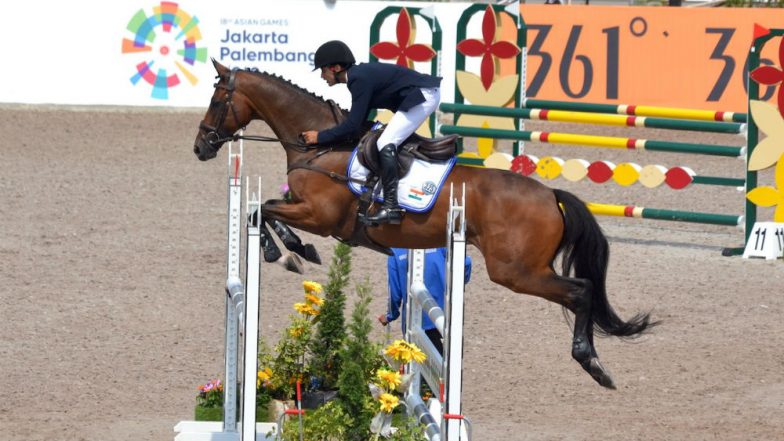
(390,212)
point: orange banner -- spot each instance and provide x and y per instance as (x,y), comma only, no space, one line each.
(657,56)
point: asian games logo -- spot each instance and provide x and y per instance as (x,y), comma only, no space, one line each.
(165,45)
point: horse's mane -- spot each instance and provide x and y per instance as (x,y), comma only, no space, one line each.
(291,85)
(348,144)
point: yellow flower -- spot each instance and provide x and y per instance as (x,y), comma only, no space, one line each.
(388,402)
(312,299)
(306,309)
(296,331)
(263,376)
(312,287)
(394,349)
(390,379)
(417,355)
(403,351)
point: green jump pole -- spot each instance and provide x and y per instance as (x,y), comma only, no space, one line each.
(718,180)
(686,216)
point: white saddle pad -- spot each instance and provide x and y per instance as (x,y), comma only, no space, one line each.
(417,191)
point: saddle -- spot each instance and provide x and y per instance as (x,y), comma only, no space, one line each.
(415,147)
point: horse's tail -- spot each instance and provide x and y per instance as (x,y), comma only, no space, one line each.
(584,248)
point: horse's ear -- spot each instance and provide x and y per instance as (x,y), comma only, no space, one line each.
(221,69)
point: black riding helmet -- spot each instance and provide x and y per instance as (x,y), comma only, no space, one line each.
(333,52)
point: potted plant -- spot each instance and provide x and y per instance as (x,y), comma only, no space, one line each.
(367,397)
(209,401)
(349,390)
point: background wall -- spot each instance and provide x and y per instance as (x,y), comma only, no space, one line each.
(81,60)
(82,52)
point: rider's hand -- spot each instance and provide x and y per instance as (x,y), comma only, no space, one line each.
(310,137)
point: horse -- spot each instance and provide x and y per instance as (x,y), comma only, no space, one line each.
(518,224)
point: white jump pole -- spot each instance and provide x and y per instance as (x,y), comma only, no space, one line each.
(439,371)
(235,291)
(431,371)
(252,295)
(242,309)
(454,302)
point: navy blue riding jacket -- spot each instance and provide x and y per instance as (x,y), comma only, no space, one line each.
(378,86)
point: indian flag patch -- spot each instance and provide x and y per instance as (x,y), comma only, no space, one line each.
(415,193)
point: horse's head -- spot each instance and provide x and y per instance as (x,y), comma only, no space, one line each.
(227,113)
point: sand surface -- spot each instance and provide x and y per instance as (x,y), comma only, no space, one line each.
(112,266)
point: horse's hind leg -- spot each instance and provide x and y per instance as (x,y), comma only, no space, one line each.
(571,293)
(583,349)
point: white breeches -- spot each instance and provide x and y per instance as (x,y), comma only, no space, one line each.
(403,124)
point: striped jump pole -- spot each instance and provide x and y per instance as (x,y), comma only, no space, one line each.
(596,141)
(569,116)
(626,109)
(669,215)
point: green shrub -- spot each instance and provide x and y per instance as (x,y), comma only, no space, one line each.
(331,329)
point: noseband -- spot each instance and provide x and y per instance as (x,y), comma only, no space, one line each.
(213,137)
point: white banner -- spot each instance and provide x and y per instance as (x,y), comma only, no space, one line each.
(157,53)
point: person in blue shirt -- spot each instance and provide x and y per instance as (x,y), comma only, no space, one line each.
(435,281)
(411,95)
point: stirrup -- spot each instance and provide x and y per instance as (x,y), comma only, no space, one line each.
(386,215)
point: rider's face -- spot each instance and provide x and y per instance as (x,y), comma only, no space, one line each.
(329,75)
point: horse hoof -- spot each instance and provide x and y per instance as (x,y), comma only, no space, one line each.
(311,255)
(293,263)
(271,251)
(598,372)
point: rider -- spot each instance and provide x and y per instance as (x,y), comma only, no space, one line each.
(412,95)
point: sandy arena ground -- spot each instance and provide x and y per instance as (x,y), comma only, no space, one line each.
(112,244)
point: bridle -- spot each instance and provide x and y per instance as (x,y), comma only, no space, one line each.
(213,135)
(214,138)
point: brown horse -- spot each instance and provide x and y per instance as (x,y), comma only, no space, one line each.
(515,221)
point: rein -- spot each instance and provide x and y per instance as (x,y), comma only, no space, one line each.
(308,165)
(298,146)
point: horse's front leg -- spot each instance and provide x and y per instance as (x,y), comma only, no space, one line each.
(272,253)
(290,239)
